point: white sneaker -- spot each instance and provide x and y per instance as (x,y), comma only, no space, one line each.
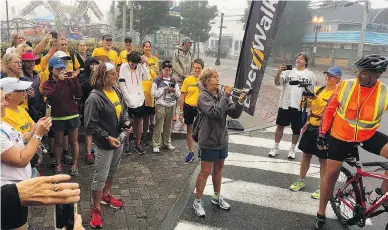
(220,202)
(169,147)
(291,154)
(273,152)
(156,150)
(198,208)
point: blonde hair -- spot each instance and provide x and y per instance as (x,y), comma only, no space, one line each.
(206,74)
(82,42)
(20,49)
(7,58)
(100,77)
(15,37)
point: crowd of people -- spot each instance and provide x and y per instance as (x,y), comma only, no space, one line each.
(123,99)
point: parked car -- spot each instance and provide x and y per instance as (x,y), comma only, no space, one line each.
(213,51)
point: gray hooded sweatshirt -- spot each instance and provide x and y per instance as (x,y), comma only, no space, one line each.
(213,130)
(181,63)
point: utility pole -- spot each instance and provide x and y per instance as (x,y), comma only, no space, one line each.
(218,62)
(124,19)
(6,7)
(363,28)
(131,18)
(113,18)
(198,45)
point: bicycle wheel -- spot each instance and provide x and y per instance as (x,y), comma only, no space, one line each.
(345,197)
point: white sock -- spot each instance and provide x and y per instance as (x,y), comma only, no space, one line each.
(293,146)
(276,145)
(197,200)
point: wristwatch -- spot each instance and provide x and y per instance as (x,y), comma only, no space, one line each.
(37,137)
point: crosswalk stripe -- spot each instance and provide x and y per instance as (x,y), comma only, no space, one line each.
(259,142)
(268,196)
(186,225)
(269,164)
(272,129)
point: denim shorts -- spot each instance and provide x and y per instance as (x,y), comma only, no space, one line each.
(212,155)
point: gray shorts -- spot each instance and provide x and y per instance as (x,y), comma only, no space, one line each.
(212,155)
(105,166)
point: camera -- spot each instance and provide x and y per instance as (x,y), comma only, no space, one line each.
(306,85)
(172,83)
(126,125)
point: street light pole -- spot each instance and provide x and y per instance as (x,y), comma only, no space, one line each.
(6,7)
(363,27)
(317,27)
(218,62)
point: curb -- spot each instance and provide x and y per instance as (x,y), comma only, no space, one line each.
(264,126)
(175,213)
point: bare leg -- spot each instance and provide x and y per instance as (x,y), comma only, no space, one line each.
(190,141)
(97,196)
(73,136)
(108,185)
(202,178)
(295,139)
(327,184)
(279,133)
(88,144)
(384,153)
(305,165)
(217,175)
(58,137)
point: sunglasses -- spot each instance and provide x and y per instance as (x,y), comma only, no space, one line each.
(20,91)
(108,39)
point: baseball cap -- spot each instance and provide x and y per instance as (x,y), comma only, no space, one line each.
(187,39)
(11,84)
(29,56)
(56,63)
(61,54)
(106,37)
(334,71)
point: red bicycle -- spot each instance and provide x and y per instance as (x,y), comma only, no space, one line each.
(349,200)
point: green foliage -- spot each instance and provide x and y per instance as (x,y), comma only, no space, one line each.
(196,17)
(246,13)
(148,16)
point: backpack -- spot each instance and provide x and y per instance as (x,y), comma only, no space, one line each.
(197,126)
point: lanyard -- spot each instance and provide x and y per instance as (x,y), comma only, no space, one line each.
(137,78)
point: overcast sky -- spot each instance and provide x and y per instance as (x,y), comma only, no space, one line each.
(229,7)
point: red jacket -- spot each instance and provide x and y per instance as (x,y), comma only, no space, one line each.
(62,96)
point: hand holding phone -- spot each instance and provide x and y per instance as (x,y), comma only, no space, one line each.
(48,111)
(288,67)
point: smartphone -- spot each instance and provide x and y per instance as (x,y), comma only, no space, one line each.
(69,74)
(54,34)
(64,216)
(48,110)
(75,209)
(288,67)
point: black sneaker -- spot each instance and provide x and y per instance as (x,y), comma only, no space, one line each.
(139,149)
(52,162)
(144,140)
(320,223)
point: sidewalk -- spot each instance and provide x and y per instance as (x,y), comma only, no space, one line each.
(148,185)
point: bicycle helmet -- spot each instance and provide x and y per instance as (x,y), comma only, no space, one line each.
(373,62)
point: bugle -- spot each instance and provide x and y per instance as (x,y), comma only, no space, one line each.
(248,92)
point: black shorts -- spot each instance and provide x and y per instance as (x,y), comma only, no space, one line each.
(148,110)
(66,125)
(189,114)
(51,133)
(290,116)
(212,155)
(340,150)
(136,112)
(307,143)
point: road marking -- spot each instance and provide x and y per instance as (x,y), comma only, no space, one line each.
(185,225)
(268,196)
(269,164)
(272,129)
(259,142)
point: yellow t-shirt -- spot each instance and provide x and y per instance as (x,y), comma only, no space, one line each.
(153,63)
(122,57)
(191,87)
(42,65)
(147,85)
(70,66)
(112,55)
(318,105)
(114,98)
(21,121)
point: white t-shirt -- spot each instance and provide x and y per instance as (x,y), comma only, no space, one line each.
(10,137)
(11,50)
(291,95)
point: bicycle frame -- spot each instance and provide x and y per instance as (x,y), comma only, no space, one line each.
(370,212)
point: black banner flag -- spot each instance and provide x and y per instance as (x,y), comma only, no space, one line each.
(263,22)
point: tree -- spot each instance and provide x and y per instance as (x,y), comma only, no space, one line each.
(292,26)
(196,17)
(148,16)
(246,13)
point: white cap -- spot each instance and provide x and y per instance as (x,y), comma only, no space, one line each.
(61,54)
(11,84)
(109,66)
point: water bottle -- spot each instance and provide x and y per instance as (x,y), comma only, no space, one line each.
(121,137)
(374,195)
